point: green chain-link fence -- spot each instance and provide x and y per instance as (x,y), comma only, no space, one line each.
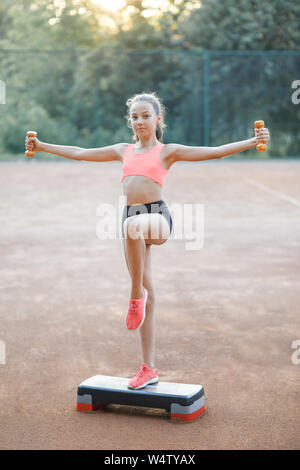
(77,97)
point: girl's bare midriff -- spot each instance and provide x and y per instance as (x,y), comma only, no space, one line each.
(142,190)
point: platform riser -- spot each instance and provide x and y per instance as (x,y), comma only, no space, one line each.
(182,401)
(88,407)
(189,417)
(185,417)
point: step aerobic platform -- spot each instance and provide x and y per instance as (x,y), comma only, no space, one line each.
(184,401)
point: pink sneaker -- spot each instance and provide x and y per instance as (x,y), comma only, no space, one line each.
(136,312)
(144,376)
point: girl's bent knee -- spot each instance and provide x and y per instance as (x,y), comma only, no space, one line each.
(133,229)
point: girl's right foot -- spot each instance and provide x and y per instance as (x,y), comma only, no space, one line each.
(144,377)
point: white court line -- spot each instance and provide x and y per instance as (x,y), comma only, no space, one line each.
(275,193)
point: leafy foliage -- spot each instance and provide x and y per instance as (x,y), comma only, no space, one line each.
(70,65)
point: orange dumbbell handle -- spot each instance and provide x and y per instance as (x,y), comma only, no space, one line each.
(30,153)
(262,146)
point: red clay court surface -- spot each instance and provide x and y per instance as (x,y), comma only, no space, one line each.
(226,315)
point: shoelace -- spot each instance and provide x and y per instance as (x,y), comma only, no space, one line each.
(133,306)
(141,372)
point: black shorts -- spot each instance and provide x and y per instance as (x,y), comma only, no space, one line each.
(157,207)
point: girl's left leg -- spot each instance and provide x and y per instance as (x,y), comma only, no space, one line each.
(147,330)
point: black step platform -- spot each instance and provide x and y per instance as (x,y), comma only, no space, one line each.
(185,401)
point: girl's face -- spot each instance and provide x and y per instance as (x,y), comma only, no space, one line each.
(144,119)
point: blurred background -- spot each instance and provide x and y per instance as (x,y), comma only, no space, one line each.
(68,67)
(227,314)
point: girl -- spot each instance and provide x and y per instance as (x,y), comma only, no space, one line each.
(146,219)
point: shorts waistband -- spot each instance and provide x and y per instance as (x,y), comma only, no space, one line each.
(147,203)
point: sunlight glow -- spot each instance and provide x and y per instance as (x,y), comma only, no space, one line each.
(112,5)
(111,11)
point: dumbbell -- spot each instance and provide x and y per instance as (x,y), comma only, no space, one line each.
(30,153)
(262,146)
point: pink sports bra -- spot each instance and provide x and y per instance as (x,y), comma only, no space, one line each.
(144,164)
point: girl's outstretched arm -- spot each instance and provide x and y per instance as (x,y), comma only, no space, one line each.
(196,154)
(102,154)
